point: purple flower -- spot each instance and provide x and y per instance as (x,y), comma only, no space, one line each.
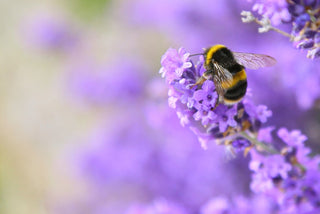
(226,117)
(293,138)
(174,63)
(275,10)
(299,76)
(305,27)
(196,106)
(205,115)
(266,169)
(263,113)
(302,15)
(206,96)
(291,177)
(265,134)
(240,144)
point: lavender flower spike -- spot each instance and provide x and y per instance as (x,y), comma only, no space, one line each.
(175,63)
(275,10)
(303,16)
(291,178)
(195,106)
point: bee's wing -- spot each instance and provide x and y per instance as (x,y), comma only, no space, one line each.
(222,78)
(254,61)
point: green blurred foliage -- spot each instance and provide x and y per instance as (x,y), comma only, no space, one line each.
(89,9)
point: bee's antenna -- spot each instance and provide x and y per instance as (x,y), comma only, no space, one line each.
(196,54)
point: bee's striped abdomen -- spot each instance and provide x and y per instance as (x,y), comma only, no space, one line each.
(239,76)
(235,93)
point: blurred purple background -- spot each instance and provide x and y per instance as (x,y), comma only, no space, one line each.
(86,126)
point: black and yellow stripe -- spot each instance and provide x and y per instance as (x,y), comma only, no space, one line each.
(235,93)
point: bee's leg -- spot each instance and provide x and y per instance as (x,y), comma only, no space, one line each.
(217,102)
(200,81)
(206,75)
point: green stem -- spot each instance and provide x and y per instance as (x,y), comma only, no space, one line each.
(255,142)
(276,29)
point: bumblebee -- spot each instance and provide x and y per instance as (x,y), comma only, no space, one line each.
(227,70)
